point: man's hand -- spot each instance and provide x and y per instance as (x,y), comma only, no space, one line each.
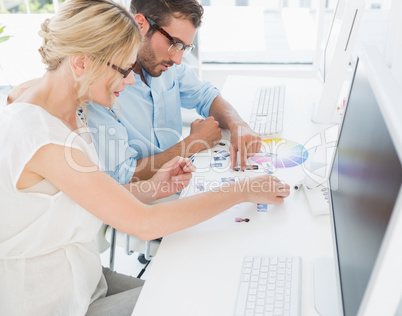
(205,134)
(245,141)
(173,177)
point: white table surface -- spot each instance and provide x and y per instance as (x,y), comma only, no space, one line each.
(196,271)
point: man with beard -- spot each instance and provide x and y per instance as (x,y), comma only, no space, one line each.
(143,131)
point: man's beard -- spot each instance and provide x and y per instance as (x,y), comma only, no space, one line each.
(146,58)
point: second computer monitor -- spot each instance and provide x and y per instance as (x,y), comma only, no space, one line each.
(365,181)
(336,57)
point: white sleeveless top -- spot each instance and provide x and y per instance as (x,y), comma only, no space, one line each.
(49,262)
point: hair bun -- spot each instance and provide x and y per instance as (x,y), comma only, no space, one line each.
(44,32)
(43,54)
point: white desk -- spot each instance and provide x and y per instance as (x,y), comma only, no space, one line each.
(196,271)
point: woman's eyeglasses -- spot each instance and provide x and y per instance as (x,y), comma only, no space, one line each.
(124,72)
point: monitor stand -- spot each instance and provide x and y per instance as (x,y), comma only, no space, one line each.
(325,290)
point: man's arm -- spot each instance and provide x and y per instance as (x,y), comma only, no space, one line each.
(204,134)
(242,138)
(120,152)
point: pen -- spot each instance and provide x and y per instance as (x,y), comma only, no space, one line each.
(191,160)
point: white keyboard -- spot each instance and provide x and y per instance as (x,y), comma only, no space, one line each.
(267,112)
(269,286)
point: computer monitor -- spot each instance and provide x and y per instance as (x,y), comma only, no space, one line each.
(336,56)
(365,185)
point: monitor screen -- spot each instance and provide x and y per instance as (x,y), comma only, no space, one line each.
(365,180)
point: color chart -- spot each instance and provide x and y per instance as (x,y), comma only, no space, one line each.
(280,153)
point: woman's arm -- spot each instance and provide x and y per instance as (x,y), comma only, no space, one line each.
(102,196)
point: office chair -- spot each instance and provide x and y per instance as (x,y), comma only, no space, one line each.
(110,237)
(131,244)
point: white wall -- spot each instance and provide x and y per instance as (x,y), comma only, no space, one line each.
(19,57)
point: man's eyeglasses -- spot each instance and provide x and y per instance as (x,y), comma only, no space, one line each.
(124,72)
(176,45)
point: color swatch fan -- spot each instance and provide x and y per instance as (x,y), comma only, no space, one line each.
(280,153)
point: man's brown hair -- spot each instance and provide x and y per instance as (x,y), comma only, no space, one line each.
(162,11)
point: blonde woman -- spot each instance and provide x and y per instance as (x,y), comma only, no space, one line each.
(53,196)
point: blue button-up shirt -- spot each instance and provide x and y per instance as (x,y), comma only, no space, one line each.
(146,119)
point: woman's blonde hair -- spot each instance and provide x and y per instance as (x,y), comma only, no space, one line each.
(100,29)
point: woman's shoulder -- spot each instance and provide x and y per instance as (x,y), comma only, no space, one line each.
(26,113)
(25,118)
(19,108)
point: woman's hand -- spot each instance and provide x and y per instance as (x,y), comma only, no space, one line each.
(173,177)
(265,189)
